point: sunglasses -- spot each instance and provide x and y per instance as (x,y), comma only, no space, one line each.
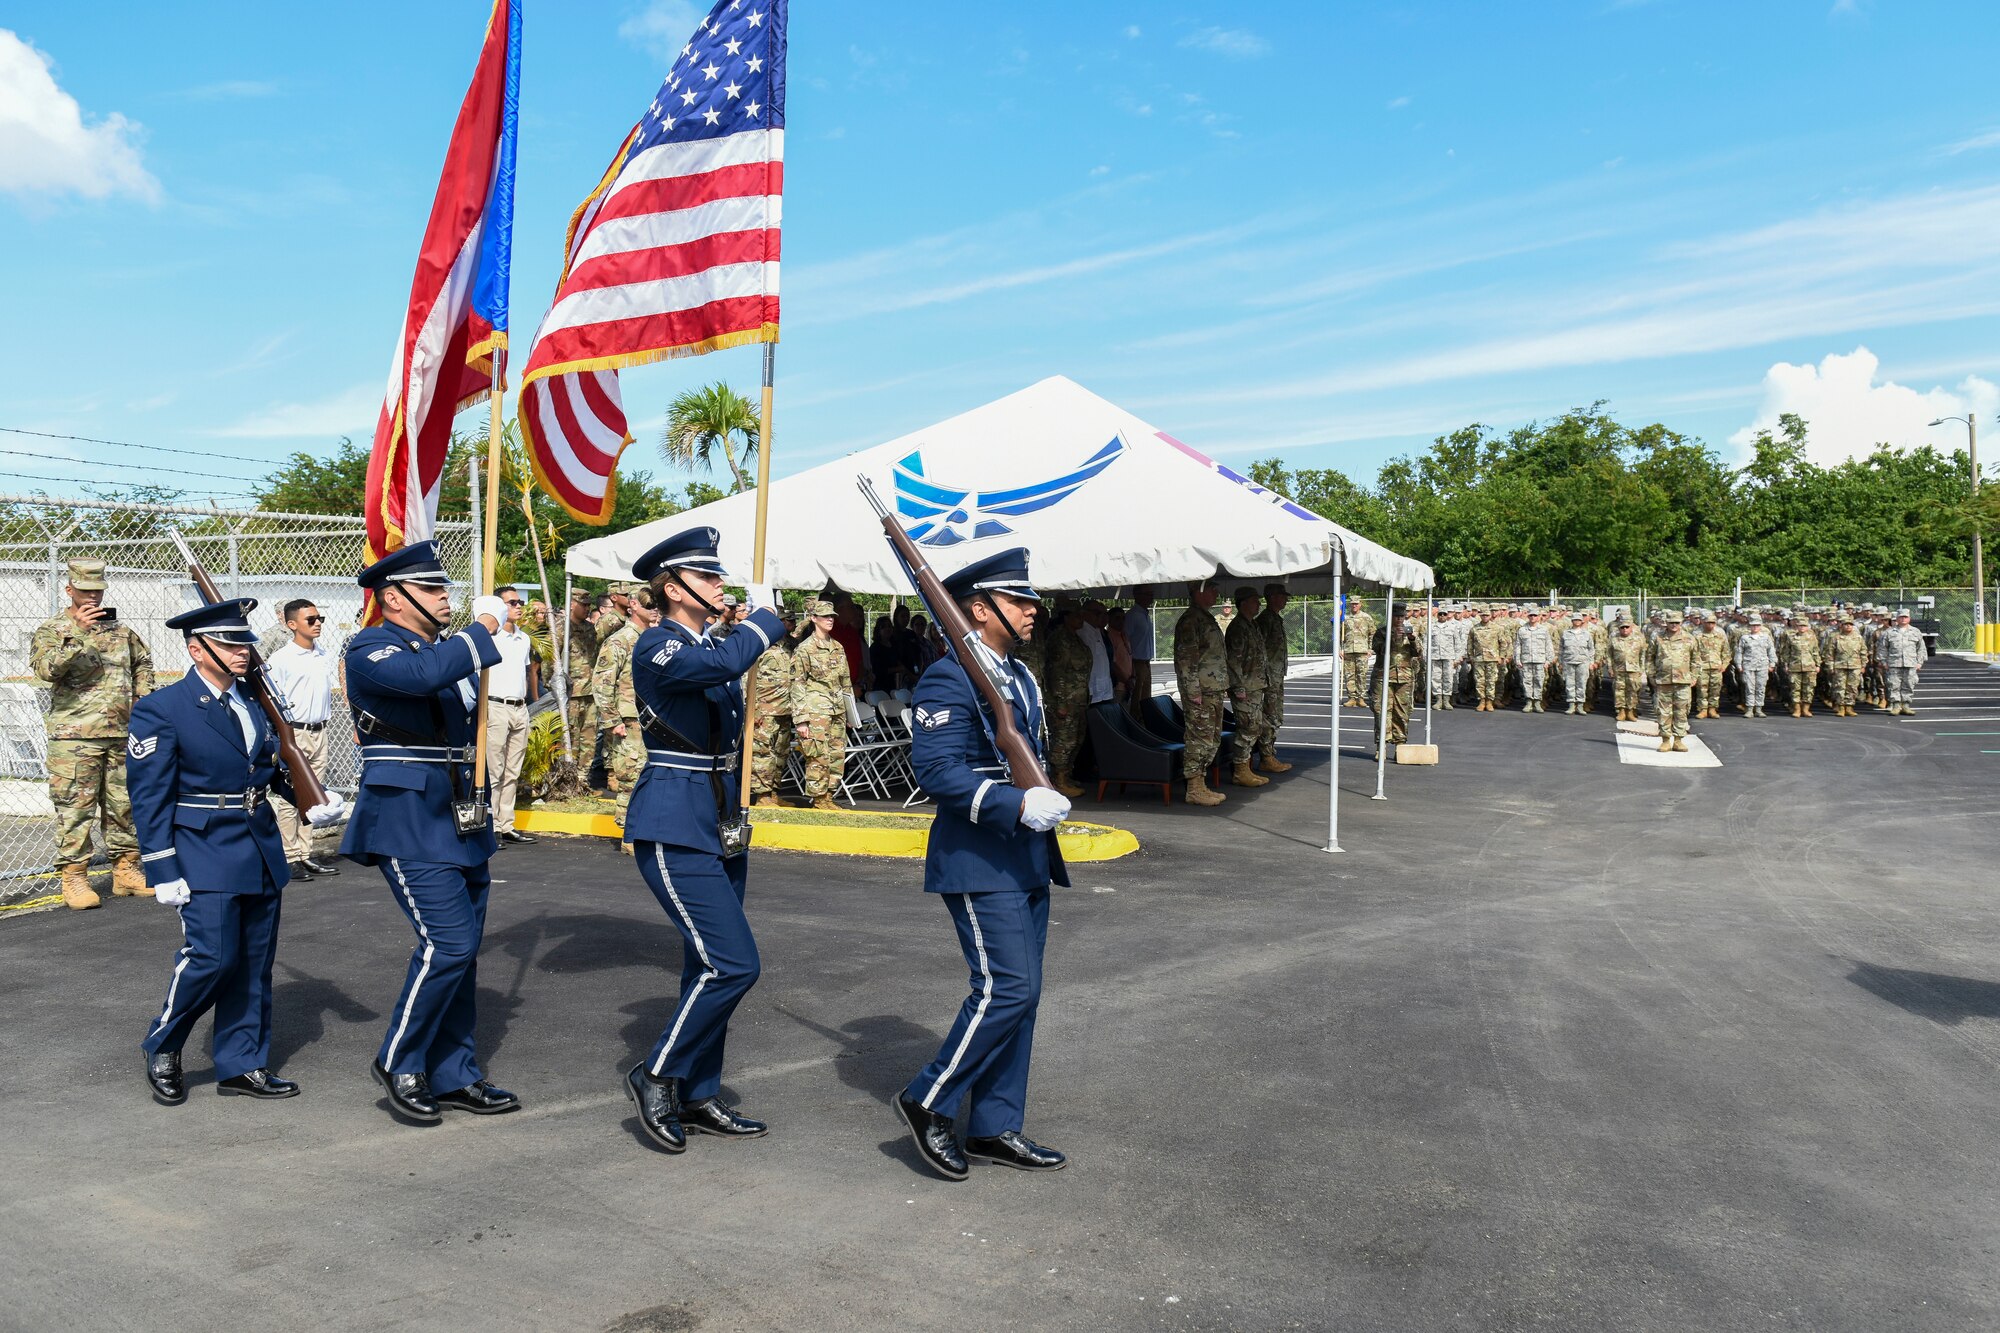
(511,601)
(315,620)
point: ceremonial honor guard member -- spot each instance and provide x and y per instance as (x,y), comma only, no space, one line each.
(200,764)
(413,691)
(993,855)
(687,832)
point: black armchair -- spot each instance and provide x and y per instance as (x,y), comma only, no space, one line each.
(1126,755)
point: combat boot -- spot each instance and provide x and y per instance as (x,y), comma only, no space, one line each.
(1270,763)
(824,803)
(1199,792)
(1241,775)
(77,894)
(1065,784)
(1680,745)
(1666,744)
(766,800)
(128,880)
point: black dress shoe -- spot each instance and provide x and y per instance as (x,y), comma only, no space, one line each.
(515,835)
(659,1103)
(1017,1150)
(935,1142)
(300,870)
(320,869)
(257,1083)
(163,1076)
(712,1115)
(409,1095)
(480,1098)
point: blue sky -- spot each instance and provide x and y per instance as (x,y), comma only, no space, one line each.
(1328,231)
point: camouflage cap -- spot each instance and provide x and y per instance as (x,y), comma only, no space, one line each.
(1671,616)
(86,575)
(821,607)
(1244,594)
(1756,619)
(1846,618)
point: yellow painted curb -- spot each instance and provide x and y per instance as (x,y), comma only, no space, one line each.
(1103,843)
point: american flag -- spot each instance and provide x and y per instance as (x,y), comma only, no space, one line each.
(456,324)
(675,253)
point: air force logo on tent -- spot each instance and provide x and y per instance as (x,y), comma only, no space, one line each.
(940,515)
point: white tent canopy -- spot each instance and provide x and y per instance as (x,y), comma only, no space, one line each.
(1100,498)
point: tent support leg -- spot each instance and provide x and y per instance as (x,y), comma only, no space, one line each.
(1430,686)
(1333,722)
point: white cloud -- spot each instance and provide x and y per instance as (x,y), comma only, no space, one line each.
(349,412)
(1398,103)
(1985,139)
(1131,30)
(661,27)
(1236,43)
(1848,411)
(45,146)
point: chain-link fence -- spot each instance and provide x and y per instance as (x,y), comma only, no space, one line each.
(270,556)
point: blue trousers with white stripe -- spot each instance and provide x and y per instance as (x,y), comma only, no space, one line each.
(430,1028)
(703,896)
(984,1059)
(224,964)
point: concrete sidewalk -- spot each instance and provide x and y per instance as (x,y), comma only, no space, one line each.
(1558,1043)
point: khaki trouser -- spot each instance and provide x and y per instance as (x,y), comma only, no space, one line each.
(1140,691)
(506,747)
(295,830)
(86,782)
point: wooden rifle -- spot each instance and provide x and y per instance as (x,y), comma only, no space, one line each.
(257,681)
(1024,766)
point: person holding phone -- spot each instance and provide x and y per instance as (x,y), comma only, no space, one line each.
(96,669)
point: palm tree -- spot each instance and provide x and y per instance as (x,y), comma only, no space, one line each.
(701,420)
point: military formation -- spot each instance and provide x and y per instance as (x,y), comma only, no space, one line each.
(1693,664)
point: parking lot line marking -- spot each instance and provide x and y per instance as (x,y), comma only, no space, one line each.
(1968,733)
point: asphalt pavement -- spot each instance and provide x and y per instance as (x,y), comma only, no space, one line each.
(1556,1043)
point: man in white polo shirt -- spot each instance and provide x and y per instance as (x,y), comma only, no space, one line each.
(510,686)
(307,677)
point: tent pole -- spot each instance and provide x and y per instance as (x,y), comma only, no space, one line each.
(1333,719)
(1430,686)
(1382,723)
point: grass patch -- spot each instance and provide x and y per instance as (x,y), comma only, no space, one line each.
(590,805)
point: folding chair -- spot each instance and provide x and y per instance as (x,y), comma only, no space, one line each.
(867,767)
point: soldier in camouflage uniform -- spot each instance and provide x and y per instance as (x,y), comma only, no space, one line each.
(1902,653)
(583,643)
(96,670)
(1627,655)
(1846,659)
(1357,631)
(1799,656)
(1277,654)
(1670,669)
(1397,646)
(1243,650)
(1201,674)
(769,685)
(1487,646)
(1065,693)
(617,702)
(1711,658)
(821,689)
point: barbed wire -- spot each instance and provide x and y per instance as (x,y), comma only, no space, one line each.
(127,444)
(73,481)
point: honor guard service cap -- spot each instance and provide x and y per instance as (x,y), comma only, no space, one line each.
(1003,571)
(416,563)
(693,549)
(227,621)
(86,575)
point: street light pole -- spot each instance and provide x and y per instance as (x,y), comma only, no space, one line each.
(1971,420)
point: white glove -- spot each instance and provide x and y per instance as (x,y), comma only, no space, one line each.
(335,810)
(761,596)
(490,605)
(173,893)
(1042,808)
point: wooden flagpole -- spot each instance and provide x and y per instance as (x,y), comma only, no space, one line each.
(757,560)
(486,566)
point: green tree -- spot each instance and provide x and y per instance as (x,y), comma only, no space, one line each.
(702,421)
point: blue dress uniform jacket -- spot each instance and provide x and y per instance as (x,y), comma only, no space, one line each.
(185,742)
(404,807)
(978,843)
(678,675)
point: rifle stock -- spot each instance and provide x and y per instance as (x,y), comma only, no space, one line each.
(305,783)
(1022,762)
